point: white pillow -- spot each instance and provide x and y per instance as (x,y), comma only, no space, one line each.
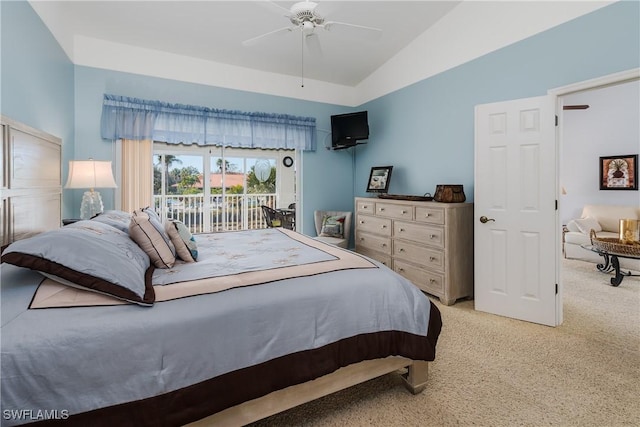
(571,226)
(585,225)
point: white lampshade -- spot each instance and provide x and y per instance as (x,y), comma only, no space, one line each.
(90,174)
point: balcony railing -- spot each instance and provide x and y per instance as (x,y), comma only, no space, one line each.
(215,212)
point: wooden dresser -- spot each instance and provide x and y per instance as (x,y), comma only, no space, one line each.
(429,243)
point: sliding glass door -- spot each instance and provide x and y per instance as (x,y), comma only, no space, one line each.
(216,189)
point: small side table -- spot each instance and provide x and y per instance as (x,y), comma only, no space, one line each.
(68,221)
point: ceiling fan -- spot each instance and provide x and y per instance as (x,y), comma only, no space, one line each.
(305,18)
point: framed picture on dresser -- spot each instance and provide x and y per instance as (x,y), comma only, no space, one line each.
(379,179)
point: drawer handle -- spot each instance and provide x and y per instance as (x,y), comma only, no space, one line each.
(401,270)
(432,281)
(384,245)
(402,229)
(427,215)
(403,212)
(401,250)
(383,226)
(432,258)
(362,239)
(432,236)
(381,209)
(361,221)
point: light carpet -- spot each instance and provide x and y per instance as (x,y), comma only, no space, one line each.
(494,371)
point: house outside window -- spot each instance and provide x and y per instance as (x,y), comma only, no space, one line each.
(220,189)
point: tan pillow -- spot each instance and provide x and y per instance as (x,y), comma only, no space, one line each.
(182,240)
(150,235)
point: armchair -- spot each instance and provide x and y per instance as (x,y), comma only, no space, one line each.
(333,227)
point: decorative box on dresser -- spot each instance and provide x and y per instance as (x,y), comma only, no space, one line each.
(429,243)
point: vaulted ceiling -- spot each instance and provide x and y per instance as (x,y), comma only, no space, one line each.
(427,35)
(215,30)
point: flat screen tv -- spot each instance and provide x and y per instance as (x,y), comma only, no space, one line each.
(348,129)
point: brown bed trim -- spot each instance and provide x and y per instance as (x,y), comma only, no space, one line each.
(90,282)
(200,400)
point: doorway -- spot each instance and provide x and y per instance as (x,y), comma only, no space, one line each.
(603,122)
(529,117)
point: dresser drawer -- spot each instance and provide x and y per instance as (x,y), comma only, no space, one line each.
(427,281)
(430,215)
(372,224)
(373,242)
(380,257)
(433,236)
(365,206)
(394,211)
(421,255)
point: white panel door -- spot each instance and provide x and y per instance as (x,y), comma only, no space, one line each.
(515,210)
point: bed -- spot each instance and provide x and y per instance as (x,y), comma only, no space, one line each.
(94,332)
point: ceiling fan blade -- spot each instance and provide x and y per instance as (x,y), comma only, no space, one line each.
(313,44)
(353,29)
(275,7)
(254,40)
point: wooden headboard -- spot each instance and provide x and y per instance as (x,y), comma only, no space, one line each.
(31,181)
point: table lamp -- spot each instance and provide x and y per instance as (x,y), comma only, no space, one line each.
(90,174)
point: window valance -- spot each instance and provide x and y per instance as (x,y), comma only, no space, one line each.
(139,119)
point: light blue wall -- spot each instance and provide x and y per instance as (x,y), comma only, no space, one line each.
(327,174)
(426,130)
(37,77)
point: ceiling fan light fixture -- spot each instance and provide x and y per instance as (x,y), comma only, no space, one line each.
(305,11)
(308,27)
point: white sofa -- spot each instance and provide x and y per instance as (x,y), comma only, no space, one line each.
(605,220)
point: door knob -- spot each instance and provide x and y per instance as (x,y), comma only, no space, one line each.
(484,219)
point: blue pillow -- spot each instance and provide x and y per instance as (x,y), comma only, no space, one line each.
(115,218)
(91,255)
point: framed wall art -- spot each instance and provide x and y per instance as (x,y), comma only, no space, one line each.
(619,172)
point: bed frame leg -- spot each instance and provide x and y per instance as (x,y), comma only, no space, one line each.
(415,379)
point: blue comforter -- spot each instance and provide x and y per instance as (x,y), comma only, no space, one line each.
(98,363)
